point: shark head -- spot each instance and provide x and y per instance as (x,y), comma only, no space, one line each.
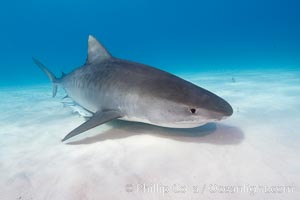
(177,103)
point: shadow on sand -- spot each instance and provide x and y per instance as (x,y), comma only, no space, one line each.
(213,133)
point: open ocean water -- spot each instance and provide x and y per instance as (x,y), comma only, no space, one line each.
(247,52)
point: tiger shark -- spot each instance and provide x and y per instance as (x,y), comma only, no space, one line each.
(112,88)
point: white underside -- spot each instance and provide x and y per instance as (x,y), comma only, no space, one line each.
(182,124)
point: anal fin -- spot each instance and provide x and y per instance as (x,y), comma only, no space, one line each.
(97,119)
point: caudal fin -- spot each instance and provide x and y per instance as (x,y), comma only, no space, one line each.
(49,74)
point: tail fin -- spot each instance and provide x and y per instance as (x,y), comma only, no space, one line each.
(49,74)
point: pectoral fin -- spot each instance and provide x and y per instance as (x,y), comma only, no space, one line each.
(97,119)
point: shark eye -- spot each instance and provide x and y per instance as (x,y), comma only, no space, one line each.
(193,110)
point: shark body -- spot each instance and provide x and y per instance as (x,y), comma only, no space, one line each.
(113,88)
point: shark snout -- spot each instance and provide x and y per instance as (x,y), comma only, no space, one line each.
(224,108)
(218,109)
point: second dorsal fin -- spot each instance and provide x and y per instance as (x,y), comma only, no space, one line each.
(96,51)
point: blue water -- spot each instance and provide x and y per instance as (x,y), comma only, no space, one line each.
(178,36)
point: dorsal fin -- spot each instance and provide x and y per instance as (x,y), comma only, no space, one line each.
(96,51)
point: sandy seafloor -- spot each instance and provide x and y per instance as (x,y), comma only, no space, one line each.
(255,154)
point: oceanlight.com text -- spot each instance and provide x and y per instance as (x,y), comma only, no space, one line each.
(207,188)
